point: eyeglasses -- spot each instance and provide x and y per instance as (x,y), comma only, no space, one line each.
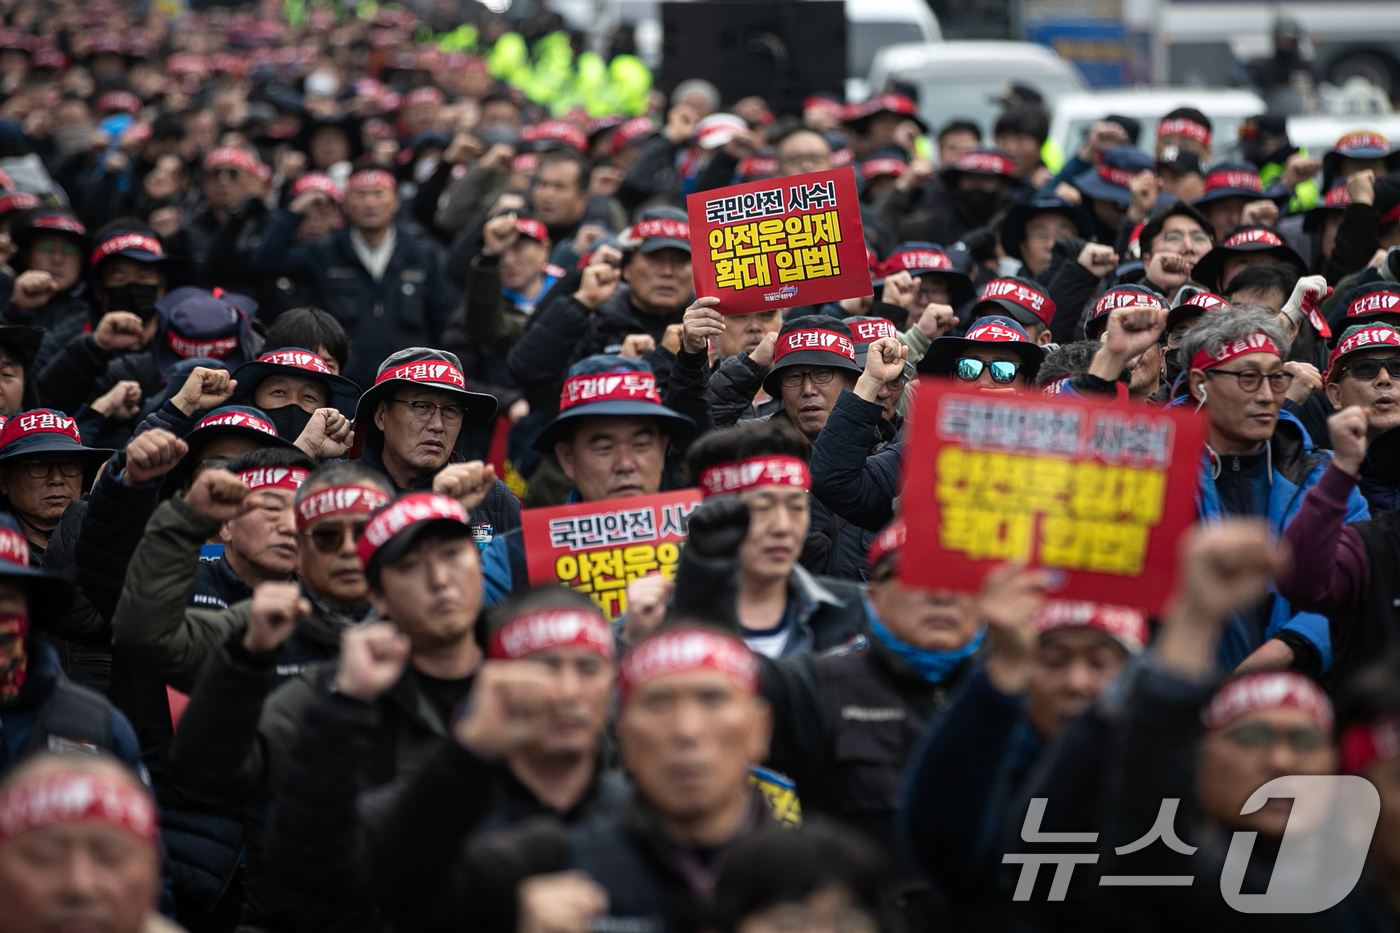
(970,370)
(1250,379)
(227,172)
(1177,238)
(1174,339)
(63,249)
(1262,735)
(819,377)
(329,537)
(897,383)
(215,463)
(40,469)
(1369,369)
(424,411)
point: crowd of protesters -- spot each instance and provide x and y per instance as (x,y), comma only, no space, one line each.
(298,311)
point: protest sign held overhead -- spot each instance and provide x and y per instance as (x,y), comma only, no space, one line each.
(1096,489)
(598,548)
(779,243)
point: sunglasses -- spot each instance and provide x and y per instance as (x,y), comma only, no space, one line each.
(329,537)
(1368,369)
(1003,372)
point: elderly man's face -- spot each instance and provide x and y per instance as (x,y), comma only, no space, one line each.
(1378,394)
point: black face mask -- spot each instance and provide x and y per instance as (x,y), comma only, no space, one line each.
(977,207)
(139,299)
(289,420)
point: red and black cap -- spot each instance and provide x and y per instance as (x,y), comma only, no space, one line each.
(635,130)
(1334,201)
(1020,299)
(199,324)
(1254,238)
(132,244)
(657,228)
(1362,144)
(40,223)
(1120,296)
(1198,305)
(920,258)
(1113,172)
(858,116)
(991,162)
(45,431)
(812,340)
(302,364)
(228,421)
(1373,303)
(1003,332)
(396,528)
(424,368)
(603,384)
(1231,180)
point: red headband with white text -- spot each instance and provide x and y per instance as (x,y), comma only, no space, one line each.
(684,650)
(550,629)
(335,501)
(739,475)
(1267,690)
(1257,342)
(76,797)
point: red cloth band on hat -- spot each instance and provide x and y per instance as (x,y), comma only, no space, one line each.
(1267,690)
(237,419)
(431,371)
(423,95)
(119,100)
(874,168)
(550,629)
(888,543)
(1180,126)
(671,229)
(410,510)
(316,181)
(41,421)
(823,104)
(1374,302)
(14,547)
(274,477)
(994,333)
(1116,176)
(1208,302)
(1337,197)
(726,478)
(870,331)
(339,500)
(200,349)
(758,167)
(988,162)
(815,338)
(1257,342)
(297,359)
(682,650)
(1390,216)
(609,387)
(563,132)
(76,797)
(371,178)
(61,222)
(18,201)
(629,132)
(532,228)
(1033,301)
(1353,141)
(1364,743)
(1122,298)
(1364,339)
(525,162)
(125,241)
(919,260)
(1126,625)
(1226,178)
(1253,236)
(231,155)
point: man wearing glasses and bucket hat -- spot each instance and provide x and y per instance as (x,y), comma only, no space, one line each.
(44,467)
(408,426)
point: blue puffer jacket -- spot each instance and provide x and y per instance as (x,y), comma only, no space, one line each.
(1296,466)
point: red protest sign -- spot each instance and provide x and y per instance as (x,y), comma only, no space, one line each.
(779,242)
(1100,490)
(599,547)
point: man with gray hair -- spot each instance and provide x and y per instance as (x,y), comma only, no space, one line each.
(1259,461)
(697,94)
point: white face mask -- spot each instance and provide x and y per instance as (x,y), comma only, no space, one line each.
(322,84)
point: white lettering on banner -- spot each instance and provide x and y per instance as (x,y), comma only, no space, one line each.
(625,526)
(755,205)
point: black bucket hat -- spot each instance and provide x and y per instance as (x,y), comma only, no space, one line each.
(1254,238)
(610,385)
(811,340)
(1001,332)
(1020,213)
(424,368)
(235,420)
(45,431)
(299,363)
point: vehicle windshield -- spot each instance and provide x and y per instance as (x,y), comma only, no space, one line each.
(863,40)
